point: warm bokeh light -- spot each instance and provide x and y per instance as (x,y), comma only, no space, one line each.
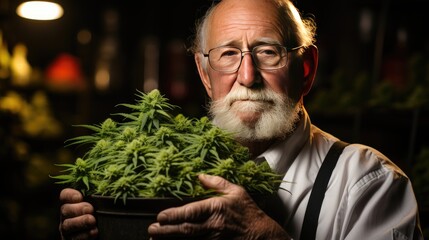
(40,10)
(84,36)
(102,79)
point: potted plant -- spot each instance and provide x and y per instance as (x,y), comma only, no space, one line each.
(150,161)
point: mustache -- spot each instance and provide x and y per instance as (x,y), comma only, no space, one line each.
(241,94)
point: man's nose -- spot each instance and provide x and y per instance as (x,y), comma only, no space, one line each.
(247,72)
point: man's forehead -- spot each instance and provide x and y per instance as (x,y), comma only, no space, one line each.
(239,22)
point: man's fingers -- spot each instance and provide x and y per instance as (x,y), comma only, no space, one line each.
(176,231)
(76,209)
(79,224)
(216,183)
(220,185)
(87,235)
(69,195)
(77,221)
(203,209)
(195,211)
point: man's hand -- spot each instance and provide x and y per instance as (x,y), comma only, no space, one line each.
(77,221)
(233,215)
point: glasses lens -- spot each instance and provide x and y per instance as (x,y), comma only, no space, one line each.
(225,58)
(267,57)
(270,56)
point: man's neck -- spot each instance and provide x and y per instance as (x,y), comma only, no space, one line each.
(258,147)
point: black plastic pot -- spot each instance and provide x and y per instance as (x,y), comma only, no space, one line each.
(117,221)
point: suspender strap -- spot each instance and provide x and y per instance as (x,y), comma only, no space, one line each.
(311,217)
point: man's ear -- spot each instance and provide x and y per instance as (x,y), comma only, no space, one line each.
(310,61)
(203,74)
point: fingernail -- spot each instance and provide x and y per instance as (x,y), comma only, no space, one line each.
(76,198)
(86,210)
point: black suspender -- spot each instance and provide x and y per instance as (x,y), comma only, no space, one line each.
(311,217)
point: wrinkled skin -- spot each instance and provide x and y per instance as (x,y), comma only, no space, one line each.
(230,216)
(77,219)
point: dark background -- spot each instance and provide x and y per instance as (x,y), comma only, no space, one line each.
(346,99)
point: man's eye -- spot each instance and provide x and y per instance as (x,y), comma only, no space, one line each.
(229,53)
(267,52)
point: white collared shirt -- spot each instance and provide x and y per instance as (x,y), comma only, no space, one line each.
(368,196)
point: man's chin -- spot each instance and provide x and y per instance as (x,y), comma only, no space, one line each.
(249,112)
(249,118)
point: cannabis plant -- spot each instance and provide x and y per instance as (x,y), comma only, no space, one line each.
(152,153)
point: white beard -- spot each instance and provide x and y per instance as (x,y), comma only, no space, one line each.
(278,114)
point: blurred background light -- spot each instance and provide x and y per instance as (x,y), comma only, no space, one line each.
(40,10)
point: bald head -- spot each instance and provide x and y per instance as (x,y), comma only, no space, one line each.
(280,14)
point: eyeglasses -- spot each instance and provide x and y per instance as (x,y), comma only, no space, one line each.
(266,57)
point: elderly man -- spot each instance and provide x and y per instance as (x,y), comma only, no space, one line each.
(257,60)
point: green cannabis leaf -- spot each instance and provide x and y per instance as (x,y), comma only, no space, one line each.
(155,154)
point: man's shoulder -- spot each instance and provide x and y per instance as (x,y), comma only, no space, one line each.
(367,156)
(361,164)
(357,160)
